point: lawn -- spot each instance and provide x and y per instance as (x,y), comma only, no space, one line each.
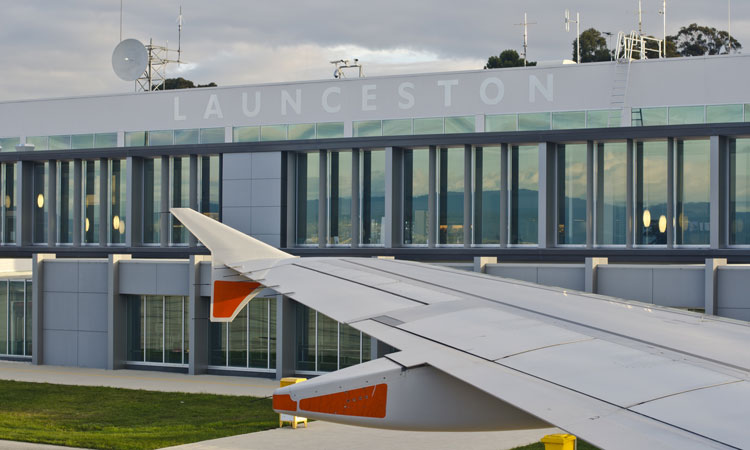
(109,418)
(582,445)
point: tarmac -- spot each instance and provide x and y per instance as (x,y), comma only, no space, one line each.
(318,436)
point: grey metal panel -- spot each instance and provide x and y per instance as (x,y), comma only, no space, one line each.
(172,278)
(490,333)
(681,287)
(720,415)
(205,279)
(626,282)
(92,312)
(236,166)
(237,218)
(137,278)
(614,373)
(516,272)
(60,311)
(61,347)
(236,193)
(265,220)
(92,276)
(735,313)
(92,349)
(266,165)
(734,286)
(265,192)
(568,277)
(270,239)
(61,276)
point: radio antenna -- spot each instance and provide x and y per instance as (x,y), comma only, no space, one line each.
(179,35)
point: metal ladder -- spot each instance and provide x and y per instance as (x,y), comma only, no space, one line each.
(619,92)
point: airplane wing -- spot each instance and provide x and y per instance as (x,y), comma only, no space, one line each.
(479,352)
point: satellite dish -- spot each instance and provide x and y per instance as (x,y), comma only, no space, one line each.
(129,59)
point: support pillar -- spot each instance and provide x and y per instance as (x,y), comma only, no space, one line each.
(193,193)
(590,194)
(134,213)
(591,273)
(77,202)
(712,284)
(393,198)
(467,197)
(323,200)
(432,219)
(629,196)
(504,169)
(546,234)
(52,208)
(116,315)
(291,200)
(37,311)
(104,189)
(480,263)
(286,336)
(164,216)
(671,190)
(355,215)
(25,202)
(198,311)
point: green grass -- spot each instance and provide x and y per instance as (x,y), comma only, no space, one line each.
(109,418)
(582,445)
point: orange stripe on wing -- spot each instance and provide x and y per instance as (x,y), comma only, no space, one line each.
(363,402)
(284,403)
(228,296)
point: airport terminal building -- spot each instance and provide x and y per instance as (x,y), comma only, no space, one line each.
(630,180)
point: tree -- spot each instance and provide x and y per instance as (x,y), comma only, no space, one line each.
(181,83)
(508,58)
(593,47)
(698,40)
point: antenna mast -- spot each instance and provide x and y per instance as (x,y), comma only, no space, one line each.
(640,18)
(729,31)
(120,21)
(525,26)
(179,35)
(578,32)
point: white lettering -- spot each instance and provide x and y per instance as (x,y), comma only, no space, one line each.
(500,91)
(367,96)
(295,103)
(447,86)
(327,106)
(213,108)
(406,95)
(256,108)
(547,91)
(177,115)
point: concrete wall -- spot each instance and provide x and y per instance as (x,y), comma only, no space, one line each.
(251,194)
(154,277)
(734,291)
(568,276)
(75,313)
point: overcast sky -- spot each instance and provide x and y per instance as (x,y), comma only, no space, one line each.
(54,48)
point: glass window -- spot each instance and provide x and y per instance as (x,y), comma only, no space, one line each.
(273,133)
(117,200)
(78,141)
(679,115)
(739,192)
(105,140)
(302,131)
(327,343)
(28,335)
(160,137)
(611,193)
(306,337)
(209,201)
(40,202)
(60,142)
(450,195)
(397,127)
(65,202)
(432,125)
(603,118)
(249,341)
(4,350)
(212,135)
(501,122)
(651,193)
(416,193)
(372,200)
(133,139)
(487,192)
(174,329)
(330,130)
(524,194)
(39,142)
(157,329)
(747,113)
(324,345)
(339,198)
(461,124)
(179,196)
(693,185)
(186,137)
(350,346)
(262,329)
(91,196)
(568,120)
(135,326)
(154,328)
(151,200)
(649,116)
(533,121)
(571,194)
(217,342)
(9,144)
(18,321)
(237,345)
(368,128)
(246,134)
(9,202)
(723,113)
(308,174)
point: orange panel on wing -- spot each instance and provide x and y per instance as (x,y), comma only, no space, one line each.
(363,402)
(228,296)
(284,403)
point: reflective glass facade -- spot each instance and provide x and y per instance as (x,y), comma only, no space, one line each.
(117,200)
(209,180)
(157,329)
(372,196)
(651,193)
(487,194)
(152,185)
(9,202)
(693,192)
(739,192)
(40,202)
(65,198)
(611,193)
(247,342)
(15,317)
(340,198)
(91,201)
(179,197)
(416,193)
(524,194)
(308,187)
(571,194)
(450,196)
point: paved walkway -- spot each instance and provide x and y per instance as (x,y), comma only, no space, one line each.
(319,435)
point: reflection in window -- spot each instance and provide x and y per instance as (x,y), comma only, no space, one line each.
(327,344)
(4,323)
(9,203)
(152,200)
(160,137)
(40,202)
(649,116)
(372,196)
(237,340)
(91,196)
(339,198)
(212,136)
(487,172)
(651,193)
(209,200)
(416,193)
(324,345)
(157,329)
(460,124)
(179,196)
(15,317)
(61,142)
(329,130)
(723,113)
(186,137)
(273,133)
(603,118)
(611,193)
(308,175)
(302,131)
(739,192)
(571,194)
(78,141)
(433,125)
(524,194)
(9,144)
(450,194)
(65,202)
(693,184)
(568,120)
(135,138)
(246,134)
(500,122)
(117,200)
(39,142)
(105,140)
(533,121)
(368,128)
(397,127)
(680,115)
